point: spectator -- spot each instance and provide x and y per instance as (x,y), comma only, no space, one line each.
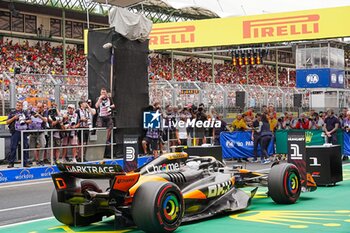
(37,139)
(239,124)
(18,120)
(104,106)
(331,126)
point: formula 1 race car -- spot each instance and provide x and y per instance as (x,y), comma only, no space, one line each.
(171,189)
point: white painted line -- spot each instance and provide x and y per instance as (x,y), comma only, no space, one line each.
(24,184)
(347,164)
(30,221)
(24,207)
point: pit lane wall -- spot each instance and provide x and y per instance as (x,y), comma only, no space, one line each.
(36,173)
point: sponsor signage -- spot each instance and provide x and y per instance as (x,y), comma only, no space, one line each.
(99,169)
(170,167)
(297,152)
(320,78)
(131,151)
(289,26)
(23,174)
(240,145)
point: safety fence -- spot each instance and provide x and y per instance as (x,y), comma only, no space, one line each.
(90,144)
(70,89)
(47,88)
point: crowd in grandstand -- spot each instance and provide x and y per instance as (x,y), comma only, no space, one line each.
(195,69)
(42,58)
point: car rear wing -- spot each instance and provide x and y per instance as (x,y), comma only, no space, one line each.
(91,171)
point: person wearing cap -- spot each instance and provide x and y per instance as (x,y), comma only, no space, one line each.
(70,138)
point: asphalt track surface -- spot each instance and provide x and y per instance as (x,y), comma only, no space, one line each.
(25,207)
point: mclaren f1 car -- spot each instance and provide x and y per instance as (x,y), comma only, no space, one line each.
(167,191)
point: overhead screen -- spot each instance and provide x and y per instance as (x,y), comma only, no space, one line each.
(291,26)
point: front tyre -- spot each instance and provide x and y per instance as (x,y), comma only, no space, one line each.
(158,207)
(284,183)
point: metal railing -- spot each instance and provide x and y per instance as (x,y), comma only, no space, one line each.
(51,147)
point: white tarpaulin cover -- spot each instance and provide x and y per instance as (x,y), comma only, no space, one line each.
(130,25)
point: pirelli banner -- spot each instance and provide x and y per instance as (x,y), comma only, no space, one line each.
(300,25)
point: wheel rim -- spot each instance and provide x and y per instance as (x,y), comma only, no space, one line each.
(292,183)
(171,208)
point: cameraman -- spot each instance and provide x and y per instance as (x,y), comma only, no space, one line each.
(104,106)
(37,139)
(55,122)
(18,120)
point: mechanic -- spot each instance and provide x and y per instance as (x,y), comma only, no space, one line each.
(331,124)
(37,139)
(18,120)
(105,106)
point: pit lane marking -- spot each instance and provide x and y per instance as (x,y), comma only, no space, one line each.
(24,207)
(24,184)
(26,222)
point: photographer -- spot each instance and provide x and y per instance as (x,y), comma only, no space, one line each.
(37,139)
(316,121)
(70,137)
(84,121)
(303,122)
(104,106)
(55,122)
(18,120)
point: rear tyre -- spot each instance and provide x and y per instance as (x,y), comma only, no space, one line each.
(158,207)
(284,183)
(65,212)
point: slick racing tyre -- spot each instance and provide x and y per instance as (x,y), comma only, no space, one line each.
(284,183)
(64,212)
(158,207)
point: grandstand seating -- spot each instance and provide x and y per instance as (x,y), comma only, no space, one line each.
(195,69)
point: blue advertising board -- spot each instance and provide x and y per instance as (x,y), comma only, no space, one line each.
(239,145)
(34,173)
(337,78)
(320,78)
